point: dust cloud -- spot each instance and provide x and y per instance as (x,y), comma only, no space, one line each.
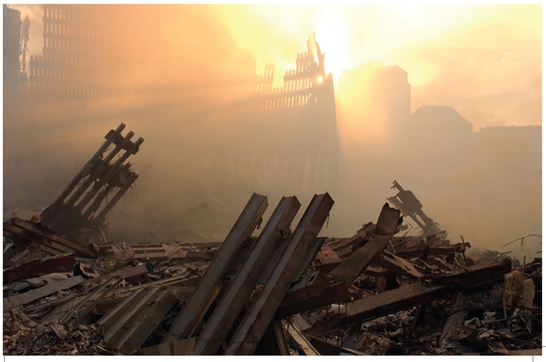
(180,77)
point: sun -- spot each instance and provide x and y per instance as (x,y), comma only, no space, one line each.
(332,36)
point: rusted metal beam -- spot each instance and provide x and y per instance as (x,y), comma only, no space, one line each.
(259,315)
(243,284)
(379,305)
(29,239)
(44,291)
(411,295)
(52,209)
(475,275)
(40,231)
(353,266)
(97,176)
(209,284)
(102,215)
(61,263)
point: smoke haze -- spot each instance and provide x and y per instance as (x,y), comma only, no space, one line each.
(179,75)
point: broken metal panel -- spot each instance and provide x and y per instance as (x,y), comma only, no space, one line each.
(61,263)
(354,265)
(209,284)
(245,280)
(79,205)
(259,315)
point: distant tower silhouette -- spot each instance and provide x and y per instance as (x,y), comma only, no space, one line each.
(13,30)
(69,71)
(299,141)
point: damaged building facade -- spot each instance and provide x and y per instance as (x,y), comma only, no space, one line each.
(70,70)
(293,139)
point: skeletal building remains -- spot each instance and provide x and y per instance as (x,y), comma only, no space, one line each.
(294,135)
(93,192)
(69,71)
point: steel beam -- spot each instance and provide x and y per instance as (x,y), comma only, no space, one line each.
(210,282)
(61,263)
(369,308)
(243,284)
(259,315)
(40,231)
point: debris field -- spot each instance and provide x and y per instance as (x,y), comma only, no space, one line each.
(271,287)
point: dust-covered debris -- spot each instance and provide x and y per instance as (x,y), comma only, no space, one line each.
(378,292)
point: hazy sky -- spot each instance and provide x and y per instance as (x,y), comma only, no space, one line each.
(484,60)
(174,71)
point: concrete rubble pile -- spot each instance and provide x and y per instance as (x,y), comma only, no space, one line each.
(286,291)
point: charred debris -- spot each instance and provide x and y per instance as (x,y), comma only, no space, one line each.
(69,290)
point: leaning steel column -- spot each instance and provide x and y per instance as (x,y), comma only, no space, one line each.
(258,317)
(219,266)
(243,284)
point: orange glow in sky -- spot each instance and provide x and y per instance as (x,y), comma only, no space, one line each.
(464,55)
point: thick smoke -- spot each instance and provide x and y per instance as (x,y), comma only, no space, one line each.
(178,76)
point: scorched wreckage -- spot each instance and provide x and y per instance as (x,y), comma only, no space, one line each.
(272,287)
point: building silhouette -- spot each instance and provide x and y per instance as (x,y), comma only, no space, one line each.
(293,137)
(69,72)
(13,77)
(374,96)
